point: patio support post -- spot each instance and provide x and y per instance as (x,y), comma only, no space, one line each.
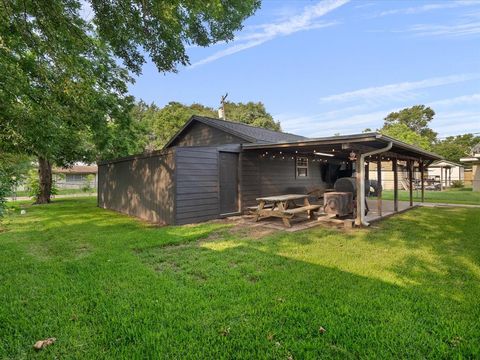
(360,218)
(379,180)
(441,178)
(395,184)
(410,180)
(422,179)
(449,176)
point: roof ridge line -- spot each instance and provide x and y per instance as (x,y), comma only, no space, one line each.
(249,125)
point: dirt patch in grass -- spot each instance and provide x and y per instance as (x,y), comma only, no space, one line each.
(81,251)
(240,228)
(167,265)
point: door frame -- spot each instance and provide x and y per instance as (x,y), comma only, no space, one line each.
(238,211)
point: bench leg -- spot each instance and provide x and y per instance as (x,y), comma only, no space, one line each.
(286,222)
(260,208)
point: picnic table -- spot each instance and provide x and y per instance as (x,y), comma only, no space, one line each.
(284,207)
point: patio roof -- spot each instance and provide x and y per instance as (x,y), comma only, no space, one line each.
(341,146)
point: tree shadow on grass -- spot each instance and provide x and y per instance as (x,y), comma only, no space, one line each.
(234,297)
(274,306)
(443,245)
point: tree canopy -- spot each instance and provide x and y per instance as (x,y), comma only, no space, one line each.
(158,125)
(411,125)
(403,133)
(453,148)
(163,28)
(63,94)
(417,118)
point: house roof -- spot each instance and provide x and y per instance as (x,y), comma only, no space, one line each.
(249,133)
(334,143)
(77,169)
(444,163)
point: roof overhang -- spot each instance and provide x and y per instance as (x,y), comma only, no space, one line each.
(343,144)
(471,159)
(444,163)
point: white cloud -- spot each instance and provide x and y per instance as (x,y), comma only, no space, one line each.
(428,7)
(456,122)
(307,20)
(460,29)
(446,123)
(348,120)
(398,91)
(459,100)
(453,116)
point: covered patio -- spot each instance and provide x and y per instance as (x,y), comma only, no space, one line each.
(347,156)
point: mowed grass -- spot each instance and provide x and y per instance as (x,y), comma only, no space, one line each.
(59,192)
(451,196)
(109,286)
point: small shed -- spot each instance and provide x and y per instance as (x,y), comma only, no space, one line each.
(446,172)
(213,168)
(474,161)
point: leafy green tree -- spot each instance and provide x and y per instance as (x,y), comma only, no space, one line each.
(252,113)
(13,170)
(403,133)
(411,125)
(87,183)
(170,119)
(63,95)
(158,125)
(163,28)
(417,118)
(453,148)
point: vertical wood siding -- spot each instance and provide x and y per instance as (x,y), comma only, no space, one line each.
(141,186)
(267,177)
(199,134)
(197,188)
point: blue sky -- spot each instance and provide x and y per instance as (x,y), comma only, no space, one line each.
(338,66)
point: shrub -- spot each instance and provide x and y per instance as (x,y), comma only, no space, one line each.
(87,184)
(457,184)
(13,168)
(33,185)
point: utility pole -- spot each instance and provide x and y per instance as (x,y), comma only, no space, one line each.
(221,110)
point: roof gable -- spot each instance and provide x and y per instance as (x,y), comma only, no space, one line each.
(249,133)
(443,163)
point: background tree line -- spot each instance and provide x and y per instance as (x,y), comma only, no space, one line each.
(154,126)
(412,125)
(64,79)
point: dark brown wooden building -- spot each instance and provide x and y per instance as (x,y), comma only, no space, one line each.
(213,168)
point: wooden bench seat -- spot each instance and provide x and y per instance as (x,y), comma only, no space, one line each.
(301,209)
(255,208)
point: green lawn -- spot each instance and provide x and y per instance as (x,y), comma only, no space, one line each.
(60,192)
(108,286)
(452,196)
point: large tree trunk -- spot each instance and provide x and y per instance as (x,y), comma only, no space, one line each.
(45,177)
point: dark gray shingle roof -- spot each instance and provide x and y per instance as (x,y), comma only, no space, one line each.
(248,132)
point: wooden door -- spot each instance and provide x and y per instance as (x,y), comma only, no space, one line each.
(228,182)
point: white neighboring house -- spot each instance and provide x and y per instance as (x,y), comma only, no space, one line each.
(75,177)
(446,172)
(474,160)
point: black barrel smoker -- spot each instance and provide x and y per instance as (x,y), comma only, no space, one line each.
(342,202)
